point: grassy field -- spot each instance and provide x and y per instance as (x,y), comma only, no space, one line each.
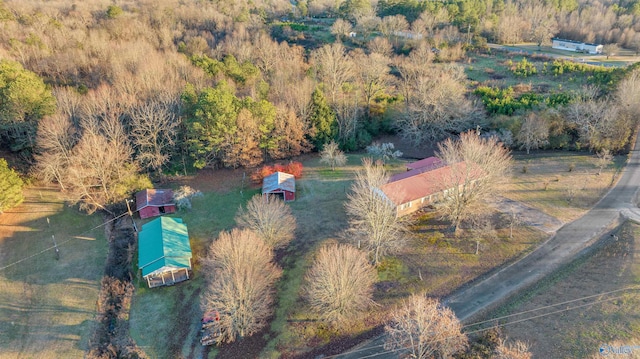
(561,184)
(581,332)
(435,261)
(493,70)
(47,306)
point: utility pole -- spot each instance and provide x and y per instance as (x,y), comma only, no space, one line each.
(135,227)
(55,245)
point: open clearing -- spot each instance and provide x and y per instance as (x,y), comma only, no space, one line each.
(47,306)
(436,262)
(580,333)
(563,185)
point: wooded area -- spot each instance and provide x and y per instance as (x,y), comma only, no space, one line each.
(177,86)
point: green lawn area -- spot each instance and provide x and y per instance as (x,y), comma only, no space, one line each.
(435,262)
(173,313)
(47,306)
(581,332)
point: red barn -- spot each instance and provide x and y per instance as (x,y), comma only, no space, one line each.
(280,183)
(155,202)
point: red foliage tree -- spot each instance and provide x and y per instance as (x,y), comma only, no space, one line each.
(294,168)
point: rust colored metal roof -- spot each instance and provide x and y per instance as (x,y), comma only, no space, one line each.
(154,197)
(429,162)
(420,185)
(279,180)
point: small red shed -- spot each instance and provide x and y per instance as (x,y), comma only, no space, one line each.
(155,202)
(280,183)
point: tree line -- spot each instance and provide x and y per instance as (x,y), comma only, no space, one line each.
(101,98)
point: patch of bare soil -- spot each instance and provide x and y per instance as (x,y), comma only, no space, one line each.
(526,215)
(580,332)
(409,151)
(219,180)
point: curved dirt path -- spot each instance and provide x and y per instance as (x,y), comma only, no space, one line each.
(570,240)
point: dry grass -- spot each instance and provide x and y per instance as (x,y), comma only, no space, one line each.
(563,184)
(47,306)
(437,262)
(581,332)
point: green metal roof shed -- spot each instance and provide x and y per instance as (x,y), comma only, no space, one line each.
(164,252)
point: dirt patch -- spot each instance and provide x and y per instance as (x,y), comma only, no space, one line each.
(409,151)
(526,215)
(218,180)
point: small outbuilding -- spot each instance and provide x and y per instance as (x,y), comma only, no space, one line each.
(280,183)
(155,202)
(164,252)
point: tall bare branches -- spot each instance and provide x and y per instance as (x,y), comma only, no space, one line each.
(372,217)
(425,328)
(435,100)
(534,132)
(153,130)
(477,164)
(270,218)
(334,68)
(332,155)
(340,283)
(240,283)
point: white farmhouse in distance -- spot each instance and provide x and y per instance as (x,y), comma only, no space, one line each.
(577,46)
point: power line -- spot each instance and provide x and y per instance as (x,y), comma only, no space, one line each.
(507,316)
(61,243)
(484,329)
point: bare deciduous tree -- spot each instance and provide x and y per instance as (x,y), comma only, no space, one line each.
(340,283)
(476,165)
(240,283)
(100,169)
(599,123)
(341,28)
(372,74)
(380,45)
(334,68)
(542,22)
(611,50)
(425,328)
(534,132)
(153,130)
(627,94)
(435,102)
(332,155)
(56,139)
(604,158)
(270,218)
(372,216)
